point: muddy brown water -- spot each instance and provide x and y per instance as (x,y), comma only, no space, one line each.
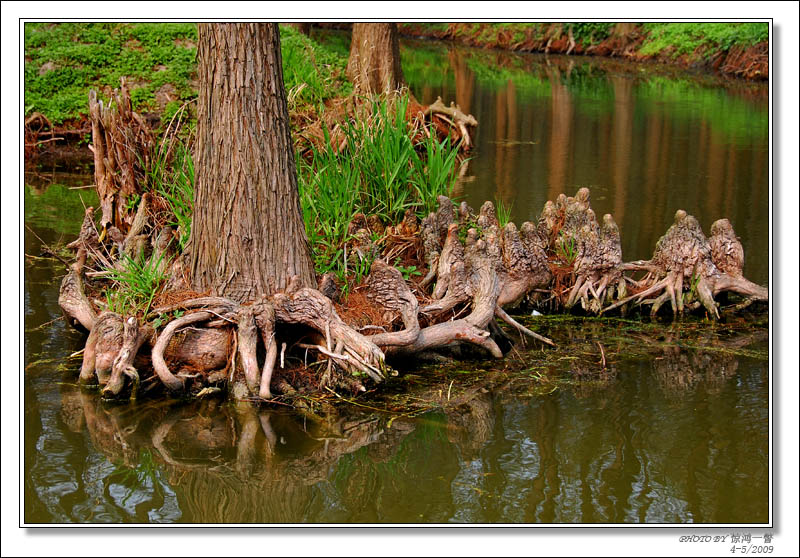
(673,429)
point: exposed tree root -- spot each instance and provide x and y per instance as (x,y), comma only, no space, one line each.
(133,337)
(72,296)
(171,381)
(477,267)
(687,268)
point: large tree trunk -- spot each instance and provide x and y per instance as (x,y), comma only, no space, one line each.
(374,64)
(248,236)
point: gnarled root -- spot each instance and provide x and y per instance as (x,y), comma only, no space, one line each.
(480,269)
(587,255)
(492,268)
(72,295)
(254,319)
(102,346)
(688,270)
(386,287)
(311,308)
(133,337)
(172,382)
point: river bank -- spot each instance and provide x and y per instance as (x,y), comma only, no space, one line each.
(64,61)
(739,50)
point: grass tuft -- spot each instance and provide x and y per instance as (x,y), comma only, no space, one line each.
(135,285)
(378,172)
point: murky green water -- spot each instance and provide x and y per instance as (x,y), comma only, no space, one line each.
(673,429)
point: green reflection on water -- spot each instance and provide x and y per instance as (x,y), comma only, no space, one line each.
(57,207)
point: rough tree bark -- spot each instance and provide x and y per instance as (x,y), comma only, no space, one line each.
(374,63)
(246,197)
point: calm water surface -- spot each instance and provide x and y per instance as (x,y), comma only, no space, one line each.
(673,430)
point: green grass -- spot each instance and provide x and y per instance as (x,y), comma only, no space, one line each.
(135,284)
(312,72)
(686,38)
(567,248)
(503,211)
(379,172)
(63,61)
(172,177)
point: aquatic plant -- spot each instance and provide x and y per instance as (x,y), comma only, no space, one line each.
(503,211)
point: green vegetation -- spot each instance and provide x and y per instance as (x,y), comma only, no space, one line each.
(175,183)
(378,172)
(135,284)
(590,33)
(408,272)
(567,248)
(63,61)
(683,37)
(503,211)
(312,72)
(686,38)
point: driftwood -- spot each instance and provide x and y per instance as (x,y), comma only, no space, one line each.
(455,117)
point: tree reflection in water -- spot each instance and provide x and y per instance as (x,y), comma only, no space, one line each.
(593,444)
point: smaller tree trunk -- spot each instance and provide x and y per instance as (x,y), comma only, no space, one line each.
(374,63)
